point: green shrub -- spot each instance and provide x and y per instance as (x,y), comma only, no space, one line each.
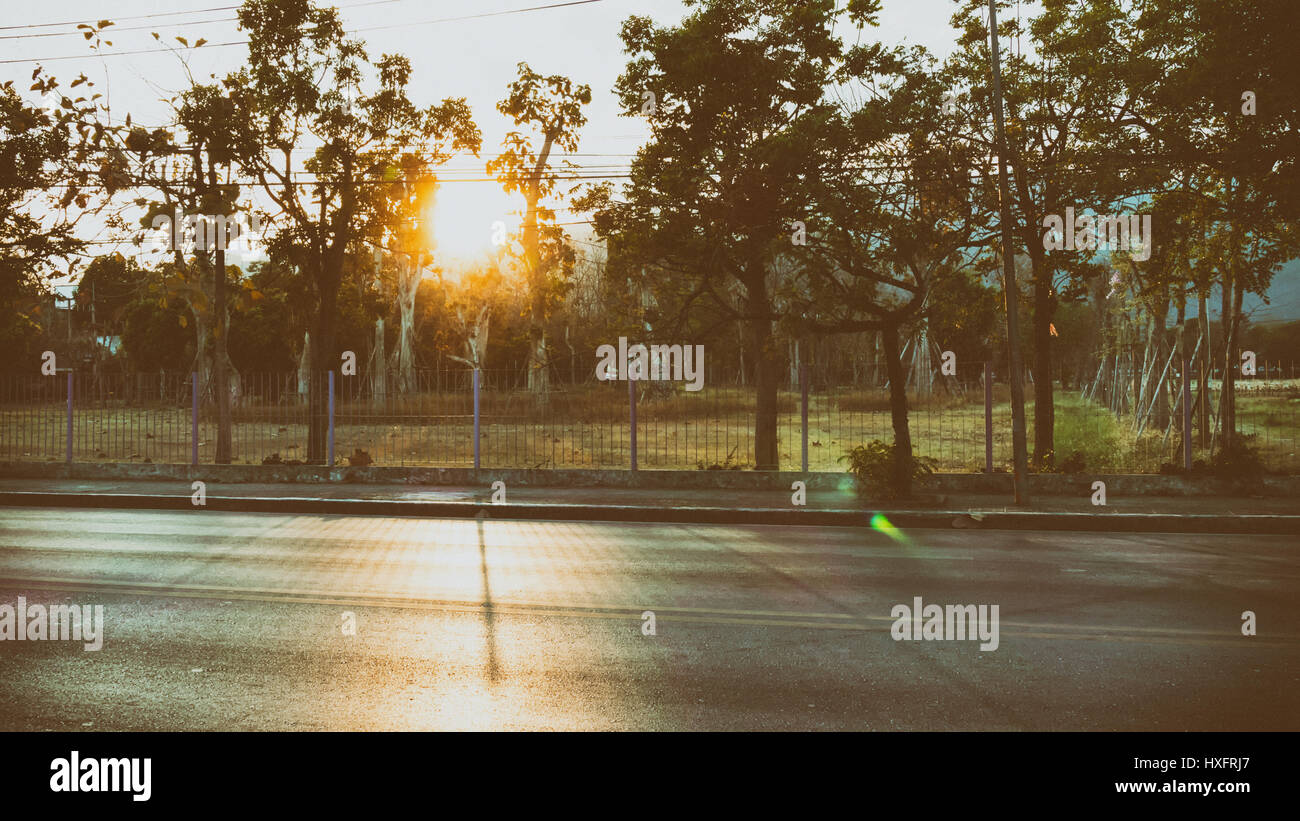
(1092,438)
(1076,462)
(1238,459)
(727,465)
(873,467)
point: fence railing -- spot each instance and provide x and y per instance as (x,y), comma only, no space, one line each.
(463,418)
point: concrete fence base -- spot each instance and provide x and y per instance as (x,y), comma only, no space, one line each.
(980,483)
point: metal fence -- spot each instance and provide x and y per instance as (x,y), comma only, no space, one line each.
(433,421)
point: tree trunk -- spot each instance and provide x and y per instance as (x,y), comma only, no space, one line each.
(539,377)
(1160,391)
(379,365)
(765,374)
(740,332)
(922,367)
(875,360)
(1205,365)
(220,357)
(304,368)
(794,364)
(573,356)
(1232,297)
(404,354)
(323,354)
(898,412)
(477,345)
(539,382)
(202,346)
(1105,390)
(1136,374)
(1044,400)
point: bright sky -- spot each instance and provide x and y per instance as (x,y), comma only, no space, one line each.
(474,58)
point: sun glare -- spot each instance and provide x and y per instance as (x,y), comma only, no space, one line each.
(468,217)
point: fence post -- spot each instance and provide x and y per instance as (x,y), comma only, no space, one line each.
(988,417)
(631,401)
(331,433)
(803,412)
(1187,415)
(476,418)
(68,455)
(194,418)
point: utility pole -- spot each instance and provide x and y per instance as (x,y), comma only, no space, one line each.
(1011,293)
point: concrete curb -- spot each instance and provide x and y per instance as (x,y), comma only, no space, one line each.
(1000,520)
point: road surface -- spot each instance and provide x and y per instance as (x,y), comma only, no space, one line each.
(238,621)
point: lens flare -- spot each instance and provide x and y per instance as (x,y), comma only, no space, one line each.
(882,525)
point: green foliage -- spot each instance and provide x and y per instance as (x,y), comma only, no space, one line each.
(873,466)
(110,283)
(158,338)
(1277,343)
(20,337)
(261,338)
(964,315)
(1076,462)
(1238,458)
(727,464)
(275,459)
(44,172)
(1091,438)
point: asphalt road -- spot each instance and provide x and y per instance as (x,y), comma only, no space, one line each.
(235,621)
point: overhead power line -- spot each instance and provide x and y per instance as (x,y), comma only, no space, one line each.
(116,28)
(133,17)
(113,30)
(480,15)
(563,178)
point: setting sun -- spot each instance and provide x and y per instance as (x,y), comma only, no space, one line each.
(466,218)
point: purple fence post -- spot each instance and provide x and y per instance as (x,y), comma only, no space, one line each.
(194,418)
(988,417)
(803,412)
(331,434)
(631,401)
(1187,415)
(477,382)
(68,456)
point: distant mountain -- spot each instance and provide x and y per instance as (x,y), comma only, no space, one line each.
(1283,299)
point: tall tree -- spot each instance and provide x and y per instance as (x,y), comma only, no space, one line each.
(302,87)
(549,109)
(206,115)
(891,211)
(715,193)
(1057,103)
(51,166)
(182,177)
(1209,107)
